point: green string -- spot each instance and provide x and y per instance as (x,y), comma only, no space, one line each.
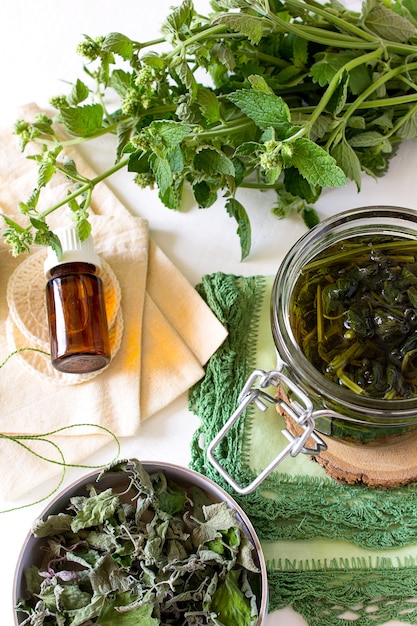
(43,437)
(18,350)
(18,439)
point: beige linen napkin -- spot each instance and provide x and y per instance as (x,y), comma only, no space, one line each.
(168,335)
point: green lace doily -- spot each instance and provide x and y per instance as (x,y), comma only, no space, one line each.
(338,554)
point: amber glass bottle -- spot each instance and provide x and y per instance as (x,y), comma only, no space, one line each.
(78,329)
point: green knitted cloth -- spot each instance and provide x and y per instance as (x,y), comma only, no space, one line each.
(338,554)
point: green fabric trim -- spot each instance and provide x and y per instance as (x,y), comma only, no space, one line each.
(321,538)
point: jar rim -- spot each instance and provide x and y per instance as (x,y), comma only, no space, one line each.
(319,238)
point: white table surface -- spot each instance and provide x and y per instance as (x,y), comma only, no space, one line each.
(38,39)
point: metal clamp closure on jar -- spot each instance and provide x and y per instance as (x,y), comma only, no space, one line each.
(300,410)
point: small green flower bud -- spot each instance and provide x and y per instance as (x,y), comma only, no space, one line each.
(147,179)
(59,102)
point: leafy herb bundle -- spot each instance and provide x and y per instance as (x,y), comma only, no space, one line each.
(155,553)
(289,95)
(354,315)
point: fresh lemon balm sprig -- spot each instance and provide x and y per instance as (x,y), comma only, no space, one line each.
(290,96)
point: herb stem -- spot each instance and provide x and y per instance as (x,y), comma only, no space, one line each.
(318,35)
(365,58)
(203,34)
(320,320)
(334,19)
(349,383)
(408,115)
(360,249)
(262,186)
(86,188)
(360,98)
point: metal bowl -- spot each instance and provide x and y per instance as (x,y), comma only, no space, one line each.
(31,552)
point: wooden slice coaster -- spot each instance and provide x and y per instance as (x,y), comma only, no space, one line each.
(389,465)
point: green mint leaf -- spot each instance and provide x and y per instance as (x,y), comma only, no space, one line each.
(224,56)
(154,60)
(83,228)
(250,26)
(43,124)
(240,172)
(73,204)
(175,160)
(140,615)
(169,193)
(94,510)
(316,165)
(162,171)
(236,210)
(287,204)
(172,499)
(79,93)
(38,223)
(348,161)
(47,166)
(411,7)
(386,23)
(366,139)
(300,51)
(232,4)
(120,81)
(265,109)
(45,237)
(172,133)
(13,224)
(118,44)
(290,76)
(70,168)
(408,129)
(186,77)
(329,63)
(356,121)
(204,194)
(124,132)
(209,105)
(230,603)
(322,125)
(383,121)
(31,203)
(298,186)
(45,173)
(178,21)
(272,174)
(58,523)
(139,161)
(249,148)
(83,121)
(339,96)
(259,83)
(310,216)
(213,162)
(322,72)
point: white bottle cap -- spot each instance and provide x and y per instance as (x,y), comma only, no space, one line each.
(73,250)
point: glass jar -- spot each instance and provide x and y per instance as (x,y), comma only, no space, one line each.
(317,409)
(341,413)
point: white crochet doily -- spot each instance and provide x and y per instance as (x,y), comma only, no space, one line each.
(27,324)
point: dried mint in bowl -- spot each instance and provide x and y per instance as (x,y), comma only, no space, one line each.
(146,551)
(354,315)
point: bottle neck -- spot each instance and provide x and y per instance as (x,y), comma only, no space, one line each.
(75,267)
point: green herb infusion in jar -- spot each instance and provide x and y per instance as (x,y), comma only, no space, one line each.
(344,319)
